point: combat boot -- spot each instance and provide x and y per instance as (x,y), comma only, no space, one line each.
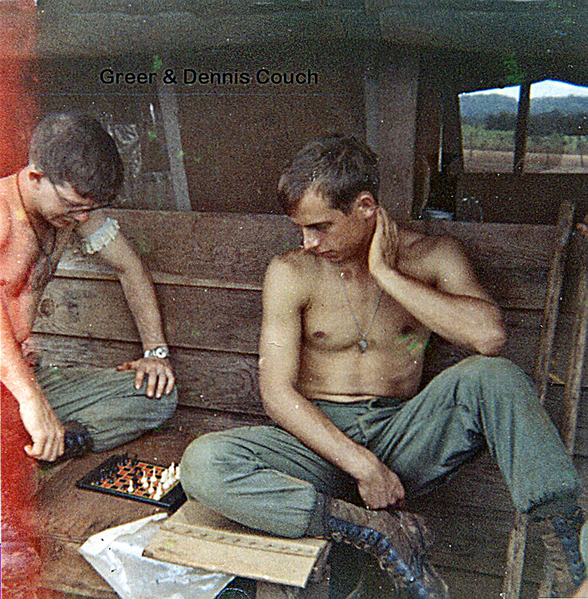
(77,443)
(398,540)
(564,569)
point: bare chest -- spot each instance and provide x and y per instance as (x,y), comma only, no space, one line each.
(18,257)
(339,319)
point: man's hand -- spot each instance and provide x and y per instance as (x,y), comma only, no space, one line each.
(45,429)
(160,376)
(380,488)
(384,247)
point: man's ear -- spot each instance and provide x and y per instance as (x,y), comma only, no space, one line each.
(366,204)
(35,175)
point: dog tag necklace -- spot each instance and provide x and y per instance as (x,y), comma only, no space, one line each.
(362,343)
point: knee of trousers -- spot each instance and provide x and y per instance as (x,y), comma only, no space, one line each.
(205,468)
(491,378)
(166,406)
(491,370)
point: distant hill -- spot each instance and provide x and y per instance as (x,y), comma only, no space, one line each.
(475,109)
(567,105)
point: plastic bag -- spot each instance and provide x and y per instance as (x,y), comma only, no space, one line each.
(116,553)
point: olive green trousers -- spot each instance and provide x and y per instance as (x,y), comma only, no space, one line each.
(264,478)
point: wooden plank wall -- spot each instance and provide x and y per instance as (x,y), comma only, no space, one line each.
(529,198)
(208,270)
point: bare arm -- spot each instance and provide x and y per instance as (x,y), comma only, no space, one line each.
(283,302)
(140,295)
(455,306)
(36,414)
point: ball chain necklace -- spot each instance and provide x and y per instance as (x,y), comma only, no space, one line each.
(43,250)
(362,343)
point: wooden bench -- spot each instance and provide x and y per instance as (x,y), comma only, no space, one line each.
(208,270)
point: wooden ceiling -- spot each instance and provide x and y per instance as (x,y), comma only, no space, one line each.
(496,40)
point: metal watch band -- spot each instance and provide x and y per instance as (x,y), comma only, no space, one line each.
(160,352)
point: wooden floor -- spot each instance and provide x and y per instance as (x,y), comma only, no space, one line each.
(212,307)
(470,568)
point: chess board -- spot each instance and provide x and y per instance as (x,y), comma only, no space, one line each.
(131,478)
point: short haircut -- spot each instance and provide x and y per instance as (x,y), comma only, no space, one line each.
(72,147)
(338,167)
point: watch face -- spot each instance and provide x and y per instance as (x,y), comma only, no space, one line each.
(161,352)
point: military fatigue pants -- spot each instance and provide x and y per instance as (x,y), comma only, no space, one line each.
(105,401)
(265,478)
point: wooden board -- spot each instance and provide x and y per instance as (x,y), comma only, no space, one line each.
(196,536)
(227,380)
(204,317)
(512,260)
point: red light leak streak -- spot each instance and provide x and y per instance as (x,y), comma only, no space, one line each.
(18,113)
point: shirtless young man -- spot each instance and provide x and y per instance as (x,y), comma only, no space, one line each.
(345,323)
(74,169)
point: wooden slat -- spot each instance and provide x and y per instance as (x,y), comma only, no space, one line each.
(208,318)
(96,308)
(512,260)
(465,584)
(234,247)
(476,540)
(65,570)
(227,381)
(572,389)
(220,381)
(529,198)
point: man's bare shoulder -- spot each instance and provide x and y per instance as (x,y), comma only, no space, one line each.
(429,254)
(5,221)
(417,245)
(292,275)
(6,214)
(297,264)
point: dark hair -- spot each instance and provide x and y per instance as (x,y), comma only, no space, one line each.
(339,167)
(72,147)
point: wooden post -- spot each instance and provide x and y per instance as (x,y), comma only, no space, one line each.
(173,141)
(565,223)
(573,385)
(427,135)
(452,156)
(390,95)
(515,559)
(521,128)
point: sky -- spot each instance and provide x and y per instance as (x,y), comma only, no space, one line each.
(542,89)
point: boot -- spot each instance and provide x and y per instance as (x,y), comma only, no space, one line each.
(398,540)
(564,569)
(77,442)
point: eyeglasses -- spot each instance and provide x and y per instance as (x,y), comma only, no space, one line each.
(77,208)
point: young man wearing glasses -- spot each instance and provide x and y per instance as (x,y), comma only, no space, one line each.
(74,169)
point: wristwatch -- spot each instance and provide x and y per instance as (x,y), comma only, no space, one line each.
(160,352)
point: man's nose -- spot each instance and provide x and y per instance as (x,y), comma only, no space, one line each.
(310,239)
